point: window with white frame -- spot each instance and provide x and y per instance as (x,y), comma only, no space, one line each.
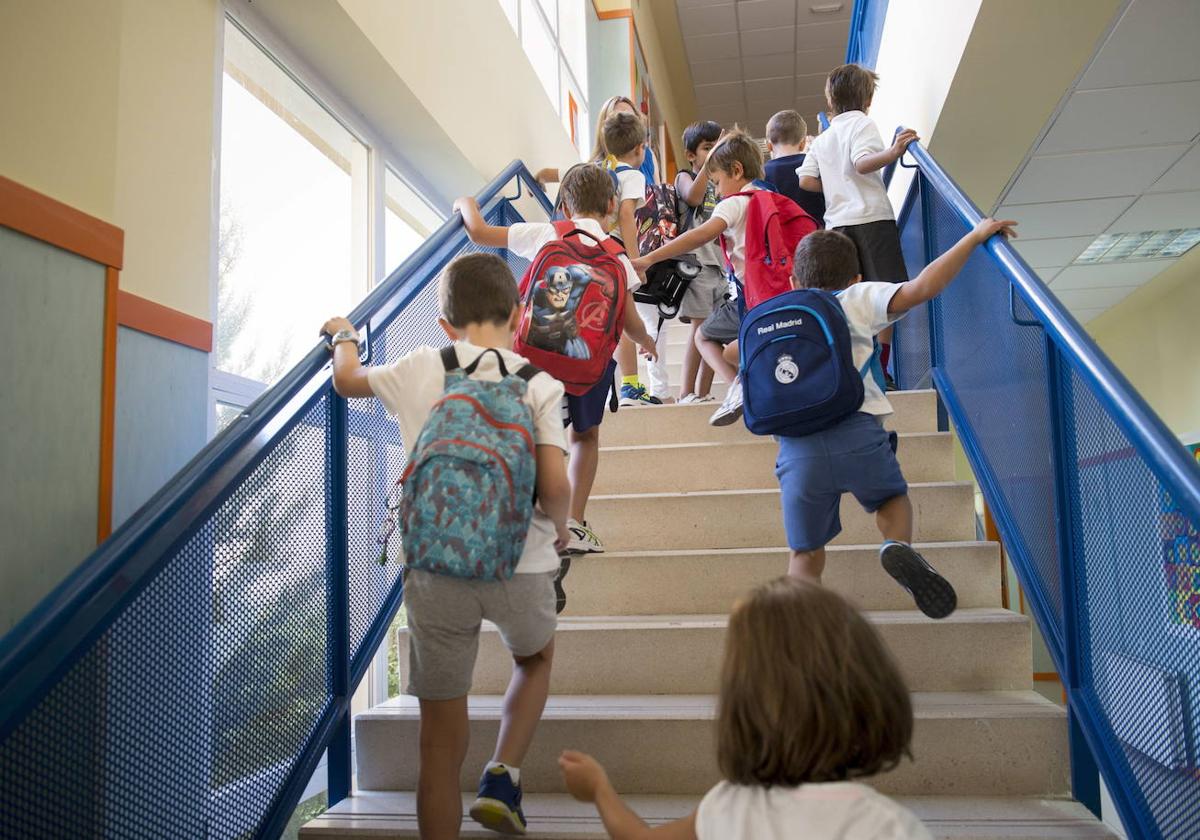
(299,211)
(554,36)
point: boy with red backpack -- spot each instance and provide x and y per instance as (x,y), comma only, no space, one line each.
(577,300)
(759,230)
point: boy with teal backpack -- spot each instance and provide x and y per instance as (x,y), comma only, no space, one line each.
(482,514)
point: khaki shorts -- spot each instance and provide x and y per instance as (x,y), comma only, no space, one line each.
(444,615)
(703,294)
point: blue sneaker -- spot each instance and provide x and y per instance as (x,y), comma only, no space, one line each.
(636,395)
(498,805)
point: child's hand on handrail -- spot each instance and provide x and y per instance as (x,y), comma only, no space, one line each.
(989,227)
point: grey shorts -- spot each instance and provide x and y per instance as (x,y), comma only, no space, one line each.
(444,615)
(723,324)
(703,294)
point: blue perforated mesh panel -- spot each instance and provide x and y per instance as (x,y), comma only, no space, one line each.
(190,714)
(1134,554)
(911,336)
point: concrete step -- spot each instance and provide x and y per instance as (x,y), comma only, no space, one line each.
(664,654)
(700,581)
(392,814)
(915,411)
(943,512)
(964,744)
(742,464)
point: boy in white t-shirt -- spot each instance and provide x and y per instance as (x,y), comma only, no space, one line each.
(625,138)
(845,163)
(735,163)
(857,455)
(480,313)
(589,200)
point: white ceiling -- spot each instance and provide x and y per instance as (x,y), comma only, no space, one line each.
(751,58)
(1121,155)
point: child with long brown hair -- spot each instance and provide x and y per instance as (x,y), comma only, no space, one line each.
(810,702)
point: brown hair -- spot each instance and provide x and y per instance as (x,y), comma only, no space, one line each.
(825,259)
(850,88)
(477,289)
(808,691)
(599,150)
(587,190)
(786,128)
(736,147)
(623,133)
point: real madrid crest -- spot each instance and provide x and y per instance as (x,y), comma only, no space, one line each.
(786,370)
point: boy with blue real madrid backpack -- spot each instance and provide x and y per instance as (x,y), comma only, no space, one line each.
(482,515)
(810,376)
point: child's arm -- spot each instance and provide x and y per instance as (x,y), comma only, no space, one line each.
(628,227)
(636,329)
(548,175)
(683,243)
(938,274)
(587,782)
(696,188)
(554,490)
(349,375)
(480,232)
(867,164)
(807,182)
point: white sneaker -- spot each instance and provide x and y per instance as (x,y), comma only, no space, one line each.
(696,399)
(731,407)
(583,539)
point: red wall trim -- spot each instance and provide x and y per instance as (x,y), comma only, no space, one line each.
(108,405)
(152,318)
(34,214)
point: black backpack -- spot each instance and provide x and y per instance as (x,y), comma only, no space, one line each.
(666,283)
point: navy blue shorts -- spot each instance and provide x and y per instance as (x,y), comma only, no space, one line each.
(587,411)
(855,456)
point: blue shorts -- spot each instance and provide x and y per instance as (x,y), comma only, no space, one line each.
(587,411)
(855,456)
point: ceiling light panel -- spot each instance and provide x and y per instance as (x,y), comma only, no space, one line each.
(1145,245)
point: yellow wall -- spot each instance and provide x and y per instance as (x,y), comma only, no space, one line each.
(109,108)
(1151,337)
(666,61)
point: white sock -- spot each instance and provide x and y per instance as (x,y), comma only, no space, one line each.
(514,773)
(886,543)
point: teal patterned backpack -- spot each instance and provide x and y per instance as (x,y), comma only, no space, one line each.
(467,494)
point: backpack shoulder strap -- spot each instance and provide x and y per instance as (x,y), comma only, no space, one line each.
(450,358)
(527,372)
(563,228)
(612,246)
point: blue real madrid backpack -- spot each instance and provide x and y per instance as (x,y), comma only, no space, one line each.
(468,490)
(797,365)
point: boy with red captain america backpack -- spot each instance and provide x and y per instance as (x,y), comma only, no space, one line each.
(576,302)
(759,230)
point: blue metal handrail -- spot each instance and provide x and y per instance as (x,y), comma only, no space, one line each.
(1082,634)
(41,649)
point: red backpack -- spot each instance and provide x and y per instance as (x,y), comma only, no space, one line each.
(774,227)
(573,307)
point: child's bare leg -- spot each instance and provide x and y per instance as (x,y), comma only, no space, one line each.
(711,352)
(895,519)
(627,356)
(691,363)
(581,469)
(807,564)
(885,337)
(523,705)
(730,354)
(444,738)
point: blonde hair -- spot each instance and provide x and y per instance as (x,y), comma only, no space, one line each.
(736,146)
(787,128)
(599,150)
(809,693)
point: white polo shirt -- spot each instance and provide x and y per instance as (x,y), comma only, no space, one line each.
(850,198)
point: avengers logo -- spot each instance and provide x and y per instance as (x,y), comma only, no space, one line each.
(592,315)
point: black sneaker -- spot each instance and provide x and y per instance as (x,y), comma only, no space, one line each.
(889,383)
(933,593)
(560,594)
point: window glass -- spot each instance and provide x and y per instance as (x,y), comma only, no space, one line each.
(510,10)
(287,244)
(551,13)
(407,220)
(540,47)
(572,37)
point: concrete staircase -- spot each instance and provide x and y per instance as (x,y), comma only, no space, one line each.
(690,517)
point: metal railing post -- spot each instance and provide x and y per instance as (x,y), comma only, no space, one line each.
(1085,773)
(340,767)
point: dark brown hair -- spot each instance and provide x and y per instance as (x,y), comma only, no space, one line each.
(622,133)
(825,259)
(477,289)
(808,691)
(850,88)
(706,131)
(736,147)
(786,128)
(587,190)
